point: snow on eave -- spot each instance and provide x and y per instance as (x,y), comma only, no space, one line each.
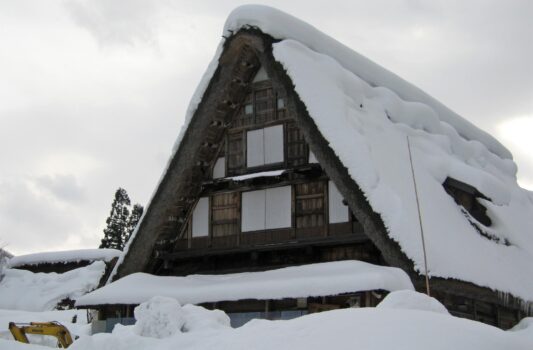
(65,256)
(321,279)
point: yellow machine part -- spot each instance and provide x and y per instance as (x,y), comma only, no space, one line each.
(54,329)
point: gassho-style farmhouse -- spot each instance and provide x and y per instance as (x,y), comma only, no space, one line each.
(308,178)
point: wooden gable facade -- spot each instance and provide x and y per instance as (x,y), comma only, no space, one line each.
(264,201)
(254,186)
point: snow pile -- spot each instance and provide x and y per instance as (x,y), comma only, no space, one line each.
(162,317)
(159,317)
(411,300)
(198,319)
(64,257)
(524,329)
(25,290)
(291,282)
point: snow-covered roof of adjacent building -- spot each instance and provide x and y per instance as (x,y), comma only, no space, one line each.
(369,116)
(322,279)
(65,256)
(25,290)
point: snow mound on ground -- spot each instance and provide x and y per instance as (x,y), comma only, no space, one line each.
(524,328)
(365,328)
(25,290)
(410,300)
(199,319)
(159,317)
(162,317)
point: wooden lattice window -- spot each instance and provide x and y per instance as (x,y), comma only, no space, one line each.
(310,204)
(225,214)
(235,153)
(245,115)
(265,110)
(297,150)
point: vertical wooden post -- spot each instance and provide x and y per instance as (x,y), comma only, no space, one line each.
(419,218)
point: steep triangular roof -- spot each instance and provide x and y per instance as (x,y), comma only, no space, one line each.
(364,124)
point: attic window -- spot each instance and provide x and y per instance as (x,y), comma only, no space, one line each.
(261,75)
(248,109)
(281,103)
(467,197)
(219,170)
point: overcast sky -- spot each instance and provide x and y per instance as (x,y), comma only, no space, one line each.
(93,93)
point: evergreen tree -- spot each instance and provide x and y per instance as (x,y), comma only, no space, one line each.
(133,220)
(117,222)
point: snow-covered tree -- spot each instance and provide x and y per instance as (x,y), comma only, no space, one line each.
(117,222)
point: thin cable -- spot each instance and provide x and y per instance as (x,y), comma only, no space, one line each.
(419,218)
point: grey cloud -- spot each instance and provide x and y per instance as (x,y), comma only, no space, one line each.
(63,187)
(115,22)
(30,222)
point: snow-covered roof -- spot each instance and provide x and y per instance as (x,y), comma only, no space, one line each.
(368,114)
(290,282)
(25,290)
(64,257)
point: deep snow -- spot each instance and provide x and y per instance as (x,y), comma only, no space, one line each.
(406,324)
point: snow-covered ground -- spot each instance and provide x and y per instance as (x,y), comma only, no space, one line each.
(25,290)
(407,320)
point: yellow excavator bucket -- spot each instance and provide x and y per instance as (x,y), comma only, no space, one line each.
(54,329)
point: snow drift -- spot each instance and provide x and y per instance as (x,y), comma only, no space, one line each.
(25,290)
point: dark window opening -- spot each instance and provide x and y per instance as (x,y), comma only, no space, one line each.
(467,197)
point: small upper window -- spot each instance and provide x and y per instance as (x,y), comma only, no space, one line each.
(281,103)
(264,146)
(261,75)
(219,170)
(248,109)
